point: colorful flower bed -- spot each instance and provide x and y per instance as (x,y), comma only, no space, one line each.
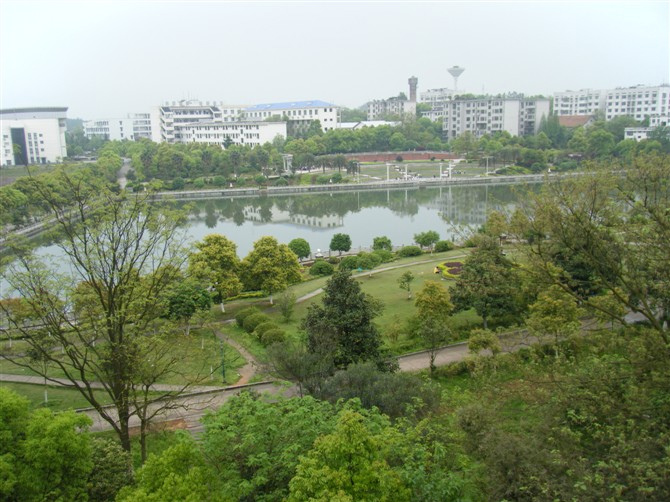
(450,269)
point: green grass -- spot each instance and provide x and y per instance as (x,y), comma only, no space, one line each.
(59,398)
(197,353)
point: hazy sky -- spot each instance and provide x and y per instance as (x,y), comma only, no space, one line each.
(106,59)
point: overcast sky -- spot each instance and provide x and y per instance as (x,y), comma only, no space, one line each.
(106,59)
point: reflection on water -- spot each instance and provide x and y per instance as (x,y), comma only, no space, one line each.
(398,214)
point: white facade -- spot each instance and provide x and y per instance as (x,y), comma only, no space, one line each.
(240,133)
(435,95)
(637,102)
(582,102)
(132,128)
(378,108)
(483,116)
(298,114)
(175,113)
(640,133)
(32,136)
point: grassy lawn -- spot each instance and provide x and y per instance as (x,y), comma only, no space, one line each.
(199,354)
(59,398)
(382,285)
(425,169)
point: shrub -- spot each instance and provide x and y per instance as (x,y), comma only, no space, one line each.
(408,251)
(260,179)
(199,183)
(368,261)
(333,260)
(281,182)
(384,255)
(264,327)
(218,181)
(254,320)
(248,294)
(348,263)
(320,268)
(398,158)
(441,246)
(273,336)
(243,314)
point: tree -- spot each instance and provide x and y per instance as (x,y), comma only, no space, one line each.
(346,317)
(122,252)
(426,239)
(405,282)
(216,263)
(300,247)
(185,299)
(340,242)
(270,267)
(383,242)
(434,307)
(554,313)
(295,362)
(43,455)
(112,470)
(286,304)
(488,283)
(617,227)
(347,465)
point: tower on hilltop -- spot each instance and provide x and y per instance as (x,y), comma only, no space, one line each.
(413,81)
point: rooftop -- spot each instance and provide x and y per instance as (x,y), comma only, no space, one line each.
(289,105)
(44,109)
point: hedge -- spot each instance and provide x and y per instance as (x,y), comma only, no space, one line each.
(254,320)
(408,251)
(243,314)
(320,268)
(273,336)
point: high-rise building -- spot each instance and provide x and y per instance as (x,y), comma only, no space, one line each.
(32,135)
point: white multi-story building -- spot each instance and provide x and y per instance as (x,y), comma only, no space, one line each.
(167,117)
(640,133)
(298,114)
(638,102)
(480,116)
(132,128)
(223,133)
(436,95)
(32,135)
(380,108)
(582,102)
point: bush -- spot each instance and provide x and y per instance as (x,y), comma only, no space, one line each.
(384,255)
(254,320)
(248,294)
(243,314)
(368,261)
(321,268)
(281,182)
(348,263)
(199,183)
(273,336)
(178,184)
(264,327)
(333,260)
(337,178)
(260,179)
(408,251)
(441,246)
(398,158)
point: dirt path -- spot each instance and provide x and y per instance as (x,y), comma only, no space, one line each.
(249,369)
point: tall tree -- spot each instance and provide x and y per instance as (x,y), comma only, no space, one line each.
(340,243)
(270,267)
(434,307)
(488,283)
(300,247)
(345,316)
(122,252)
(216,263)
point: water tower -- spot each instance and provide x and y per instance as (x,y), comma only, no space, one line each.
(455,71)
(413,81)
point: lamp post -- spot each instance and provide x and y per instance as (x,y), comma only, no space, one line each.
(223,364)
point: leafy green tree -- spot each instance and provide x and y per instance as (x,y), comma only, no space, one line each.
(488,283)
(178,474)
(112,470)
(300,247)
(340,243)
(215,262)
(405,282)
(347,465)
(286,303)
(555,314)
(426,239)
(125,251)
(268,437)
(382,242)
(270,267)
(434,307)
(345,316)
(185,299)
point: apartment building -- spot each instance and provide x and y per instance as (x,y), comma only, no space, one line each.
(132,127)
(32,135)
(224,133)
(640,133)
(638,102)
(297,114)
(380,108)
(480,116)
(168,117)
